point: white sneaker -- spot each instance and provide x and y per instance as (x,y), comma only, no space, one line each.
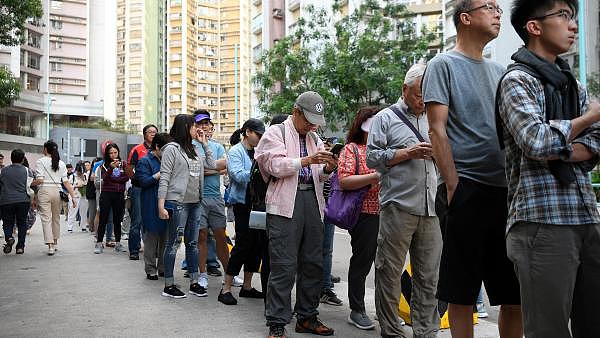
(125,237)
(50,251)
(98,248)
(203,280)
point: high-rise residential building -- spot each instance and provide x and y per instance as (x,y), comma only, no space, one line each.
(208,56)
(141,62)
(58,68)
(268,27)
(501,49)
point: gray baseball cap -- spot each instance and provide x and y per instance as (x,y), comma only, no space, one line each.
(313,107)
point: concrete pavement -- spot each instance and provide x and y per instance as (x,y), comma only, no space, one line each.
(76,293)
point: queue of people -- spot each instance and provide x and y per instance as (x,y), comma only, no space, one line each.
(479,172)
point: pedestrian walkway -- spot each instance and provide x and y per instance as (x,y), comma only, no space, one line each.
(78,293)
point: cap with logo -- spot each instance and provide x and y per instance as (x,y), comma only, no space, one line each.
(313,107)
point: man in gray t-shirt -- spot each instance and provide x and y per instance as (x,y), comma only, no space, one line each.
(458,90)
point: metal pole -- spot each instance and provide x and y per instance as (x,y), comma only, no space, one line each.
(235,88)
(582,45)
(69,145)
(49,105)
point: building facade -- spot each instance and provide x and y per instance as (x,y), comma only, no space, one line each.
(62,75)
(141,63)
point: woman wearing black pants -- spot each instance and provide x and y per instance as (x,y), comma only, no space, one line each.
(246,251)
(112,189)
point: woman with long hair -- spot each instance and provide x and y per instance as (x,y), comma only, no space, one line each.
(112,195)
(246,250)
(179,195)
(363,236)
(51,176)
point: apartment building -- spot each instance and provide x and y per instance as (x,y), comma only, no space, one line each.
(141,63)
(54,67)
(208,58)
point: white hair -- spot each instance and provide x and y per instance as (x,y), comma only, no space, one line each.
(414,73)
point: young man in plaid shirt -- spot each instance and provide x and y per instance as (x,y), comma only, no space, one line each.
(551,135)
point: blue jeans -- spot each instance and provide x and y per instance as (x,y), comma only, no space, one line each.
(328,231)
(110,235)
(183,222)
(135,229)
(211,260)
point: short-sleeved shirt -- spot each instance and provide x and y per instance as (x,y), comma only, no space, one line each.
(43,168)
(347,167)
(468,87)
(212,183)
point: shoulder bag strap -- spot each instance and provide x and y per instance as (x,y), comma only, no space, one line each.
(357,158)
(407,122)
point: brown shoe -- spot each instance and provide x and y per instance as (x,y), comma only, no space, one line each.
(313,325)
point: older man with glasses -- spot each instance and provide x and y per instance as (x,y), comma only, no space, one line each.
(458,90)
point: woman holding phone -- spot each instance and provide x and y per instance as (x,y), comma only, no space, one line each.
(112,196)
(179,187)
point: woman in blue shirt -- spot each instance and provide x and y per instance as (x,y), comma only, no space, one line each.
(244,251)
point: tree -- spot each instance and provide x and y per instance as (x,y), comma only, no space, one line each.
(363,63)
(13,14)
(594,84)
(9,87)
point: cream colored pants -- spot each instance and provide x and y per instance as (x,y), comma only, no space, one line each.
(49,209)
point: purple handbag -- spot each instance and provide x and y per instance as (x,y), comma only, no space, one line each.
(344,206)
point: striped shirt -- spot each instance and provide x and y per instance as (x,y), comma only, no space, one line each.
(534,194)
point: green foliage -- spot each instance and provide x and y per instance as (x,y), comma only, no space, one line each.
(363,63)
(9,88)
(593,85)
(13,14)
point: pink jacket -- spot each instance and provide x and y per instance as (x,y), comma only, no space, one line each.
(282,160)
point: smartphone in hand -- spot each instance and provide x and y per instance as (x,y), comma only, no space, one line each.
(336,149)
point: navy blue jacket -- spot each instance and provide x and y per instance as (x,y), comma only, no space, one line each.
(145,168)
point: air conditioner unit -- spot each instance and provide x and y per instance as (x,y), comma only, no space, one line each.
(278,13)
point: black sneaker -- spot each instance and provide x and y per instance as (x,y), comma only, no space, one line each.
(276,331)
(252,293)
(8,246)
(212,271)
(336,279)
(173,292)
(227,298)
(161,274)
(186,275)
(196,289)
(83,230)
(329,297)
(151,277)
(134,257)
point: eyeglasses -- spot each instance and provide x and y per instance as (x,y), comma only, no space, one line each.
(563,14)
(488,7)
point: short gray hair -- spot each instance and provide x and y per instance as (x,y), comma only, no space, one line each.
(414,73)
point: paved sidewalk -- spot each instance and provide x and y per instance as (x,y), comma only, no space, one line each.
(76,293)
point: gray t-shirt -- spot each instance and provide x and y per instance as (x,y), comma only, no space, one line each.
(468,88)
(192,191)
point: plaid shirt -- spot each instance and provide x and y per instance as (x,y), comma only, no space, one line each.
(534,194)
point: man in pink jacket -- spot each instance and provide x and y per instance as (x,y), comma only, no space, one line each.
(298,164)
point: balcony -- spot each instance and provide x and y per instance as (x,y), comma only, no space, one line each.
(257,23)
(256,53)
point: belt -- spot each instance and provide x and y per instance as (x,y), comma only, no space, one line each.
(306,186)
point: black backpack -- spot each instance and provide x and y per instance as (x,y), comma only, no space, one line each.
(256,190)
(90,189)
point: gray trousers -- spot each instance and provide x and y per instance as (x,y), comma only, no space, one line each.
(295,248)
(558,267)
(400,232)
(154,248)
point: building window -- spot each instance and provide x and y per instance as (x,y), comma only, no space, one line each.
(135,47)
(33,61)
(56,44)
(33,39)
(56,24)
(56,67)
(33,83)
